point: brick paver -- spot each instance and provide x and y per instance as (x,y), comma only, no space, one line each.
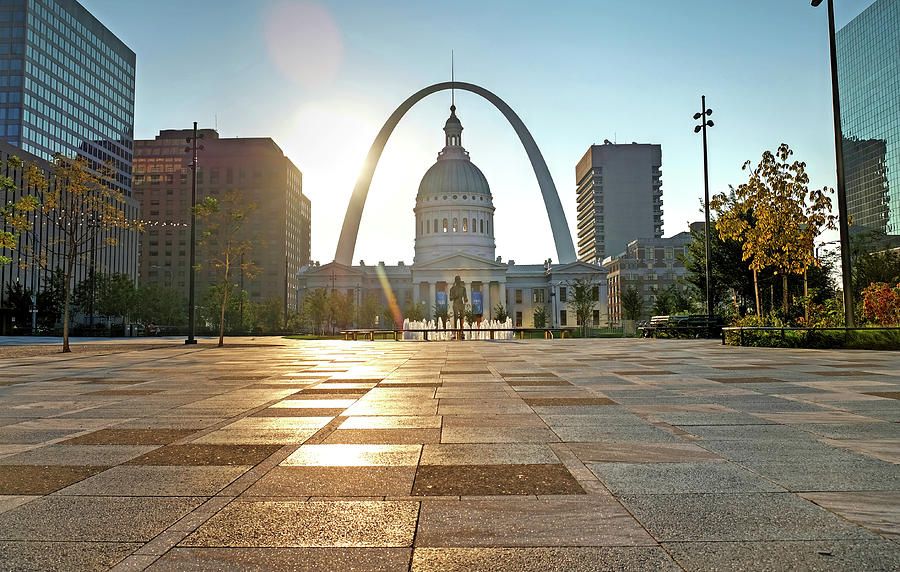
(519,455)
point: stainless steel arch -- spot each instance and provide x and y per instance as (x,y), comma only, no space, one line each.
(565,249)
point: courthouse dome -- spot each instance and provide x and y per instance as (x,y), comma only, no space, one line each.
(453,173)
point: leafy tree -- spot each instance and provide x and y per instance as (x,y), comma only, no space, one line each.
(469,315)
(786,217)
(369,308)
(116,296)
(581,300)
(227,245)
(19,299)
(500,313)
(51,298)
(873,261)
(662,305)
(77,202)
(732,279)
(314,309)
(269,314)
(414,312)
(632,303)
(160,305)
(342,309)
(881,304)
(540,316)
(16,219)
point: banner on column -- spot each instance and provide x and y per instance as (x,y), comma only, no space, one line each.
(441,300)
(477,303)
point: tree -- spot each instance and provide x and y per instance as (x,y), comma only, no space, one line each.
(16,219)
(881,303)
(269,314)
(227,246)
(51,298)
(662,304)
(500,313)
(540,316)
(342,310)
(116,296)
(314,309)
(18,298)
(632,303)
(414,312)
(732,279)
(77,202)
(159,305)
(786,217)
(581,300)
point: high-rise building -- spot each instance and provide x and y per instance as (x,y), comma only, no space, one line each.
(869,86)
(66,85)
(619,191)
(258,169)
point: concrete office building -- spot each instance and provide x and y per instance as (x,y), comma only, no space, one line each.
(869,87)
(648,265)
(619,192)
(257,167)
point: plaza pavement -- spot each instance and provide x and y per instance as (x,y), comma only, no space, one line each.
(534,455)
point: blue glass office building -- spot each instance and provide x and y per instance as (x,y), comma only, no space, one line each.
(868,50)
(66,85)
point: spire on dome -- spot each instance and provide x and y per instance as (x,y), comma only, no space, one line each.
(453,129)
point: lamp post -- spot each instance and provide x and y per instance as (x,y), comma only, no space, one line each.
(843,225)
(193,150)
(702,115)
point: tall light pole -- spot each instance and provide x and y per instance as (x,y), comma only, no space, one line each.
(843,225)
(193,150)
(702,115)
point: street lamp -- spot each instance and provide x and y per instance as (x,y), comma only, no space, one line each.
(843,225)
(702,115)
(193,150)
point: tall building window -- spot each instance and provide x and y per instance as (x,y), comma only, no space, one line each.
(562,317)
(465,227)
(428,226)
(435,225)
(481,226)
(518,296)
(445,225)
(455,225)
(537,295)
(562,294)
(518,319)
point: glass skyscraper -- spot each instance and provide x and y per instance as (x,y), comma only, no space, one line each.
(868,51)
(66,85)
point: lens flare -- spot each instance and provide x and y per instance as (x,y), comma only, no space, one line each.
(389,294)
(304,41)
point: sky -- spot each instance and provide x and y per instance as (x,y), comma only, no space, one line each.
(321,77)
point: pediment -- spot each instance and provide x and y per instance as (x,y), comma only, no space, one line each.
(460,261)
(332,268)
(578,267)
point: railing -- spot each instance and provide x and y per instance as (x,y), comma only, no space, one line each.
(456,333)
(782,332)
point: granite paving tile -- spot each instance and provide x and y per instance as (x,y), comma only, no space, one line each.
(351,481)
(505,479)
(497,435)
(802,475)
(130,437)
(669,478)
(106,519)
(738,517)
(63,556)
(877,511)
(309,524)
(487,454)
(41,480)
(385,436)
(155,481)
(787,556)
(293,559)
(614,558)
(193,454)
(884,449)
(641,452)
(91,455)
(574,521)
(354,455)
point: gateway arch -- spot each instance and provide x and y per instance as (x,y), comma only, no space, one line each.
(565,249)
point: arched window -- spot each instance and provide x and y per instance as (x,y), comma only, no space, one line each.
(455,225)
(482,226)
(445,225)
(489,227)
(465,225)
(428,226)
(435,226)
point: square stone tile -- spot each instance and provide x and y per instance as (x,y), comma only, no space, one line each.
(877,511)
(152,481)
(392,422)
(385,436)
(63,556)
(106,519)
(91,455)
(130,437)
(497,435)
(506,479)
(368,481)
(250,436)
(561,401)
(354,455)
(619,558)
(738,517)
(298,524)
(577,521)
(488,454)
(41,480)
(298,412)
(294,559)
(641,452)
(9,502)
(668,478)
(114,392)
(804,475)
(787,556)
(193,454)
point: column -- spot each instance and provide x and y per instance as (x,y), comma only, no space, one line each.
(417,292)
(502,286)
(486,299)
(432,294)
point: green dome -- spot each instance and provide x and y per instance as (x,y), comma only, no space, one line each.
(453,176)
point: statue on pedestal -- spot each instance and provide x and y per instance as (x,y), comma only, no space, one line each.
(458,298)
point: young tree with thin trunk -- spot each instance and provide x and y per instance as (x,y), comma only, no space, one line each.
(227,244)
(785,217)
(79,205)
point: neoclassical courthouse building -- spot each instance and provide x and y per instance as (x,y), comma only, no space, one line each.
(454,236)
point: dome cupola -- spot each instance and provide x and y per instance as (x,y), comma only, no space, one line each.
(454,208)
